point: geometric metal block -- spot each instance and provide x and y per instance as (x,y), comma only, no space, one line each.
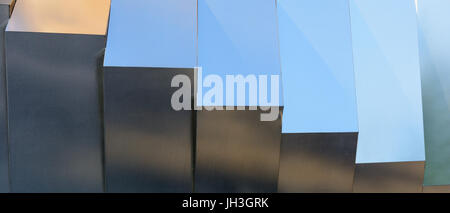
(148,144)
(6,7)
(320,121)
(54,52)
(388,85)
(317,162)
(434,32)
(402,177)
(236,152)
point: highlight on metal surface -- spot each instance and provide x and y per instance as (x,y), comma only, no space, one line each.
(434,42)
(238,53)
(388,88)
(148,143)
(320,124)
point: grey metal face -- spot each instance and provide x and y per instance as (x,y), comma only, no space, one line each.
(434,32)
(5,9)
(148,144)
(236,152)
(403,177)
(55,128)
(55,132)
(317,162)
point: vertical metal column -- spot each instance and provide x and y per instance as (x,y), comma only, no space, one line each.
(434,52)
(320,124)
(236,151)
(149,144)
(6,7)
(54,49)
(388,86)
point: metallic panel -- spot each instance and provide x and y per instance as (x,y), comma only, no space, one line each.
(148,144)
(317,65)
(317,162)
(237,37)
(5,12)
(403,177)
(236,152)
(434,39)
(388,86)
(61,16)
(55,128)
(157,33)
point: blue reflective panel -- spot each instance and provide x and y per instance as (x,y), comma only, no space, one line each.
(317,65)
(145,33)
(237,37)
(388,86)
(434,16)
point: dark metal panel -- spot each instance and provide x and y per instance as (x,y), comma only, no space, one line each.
(5,9)
(148,144)
(403,177)
(236,152)
(322,162)
(55,130)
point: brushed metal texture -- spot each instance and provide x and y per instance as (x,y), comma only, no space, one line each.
(319,162)
(148,144)
(236,152)
(54,88)
(5,12)
(55,129)
(401,177)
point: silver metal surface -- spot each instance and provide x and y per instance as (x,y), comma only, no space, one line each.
(322,162)
(403,177)
(236,152)
(148,144)
(5,12)
(53,79)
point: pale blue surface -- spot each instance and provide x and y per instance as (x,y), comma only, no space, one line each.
(152,33)
(388,85)
(434,17)
(237,37)
(317,65)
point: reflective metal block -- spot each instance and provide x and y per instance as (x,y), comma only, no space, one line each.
(434,32)
(317,162)
(54,52)
(6,7)
(403,177)
(149,145)
(236,152)
(388,84)
(320,121)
